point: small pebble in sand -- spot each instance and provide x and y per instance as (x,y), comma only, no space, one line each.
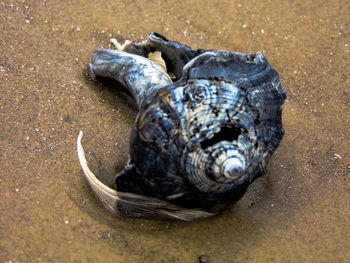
(203,259)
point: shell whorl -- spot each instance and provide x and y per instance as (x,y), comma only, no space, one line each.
(220,123)
(217,155)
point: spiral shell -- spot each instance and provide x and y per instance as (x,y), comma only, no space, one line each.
(198,142)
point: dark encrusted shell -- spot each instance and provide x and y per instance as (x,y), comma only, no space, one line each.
(198,142)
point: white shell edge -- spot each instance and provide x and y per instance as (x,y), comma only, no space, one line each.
(108,196)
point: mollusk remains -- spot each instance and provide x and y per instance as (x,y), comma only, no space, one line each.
(206,128)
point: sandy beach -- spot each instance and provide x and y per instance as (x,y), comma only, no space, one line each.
(299,211)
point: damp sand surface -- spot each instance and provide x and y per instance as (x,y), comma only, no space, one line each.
(298,212)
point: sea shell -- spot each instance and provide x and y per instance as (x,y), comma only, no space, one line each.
(201,138)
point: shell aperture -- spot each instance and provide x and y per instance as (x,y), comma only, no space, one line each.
(199,140)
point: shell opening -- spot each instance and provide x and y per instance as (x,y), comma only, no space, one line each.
(157,57)
(226,133)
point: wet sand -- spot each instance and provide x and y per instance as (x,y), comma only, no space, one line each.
(298,212)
